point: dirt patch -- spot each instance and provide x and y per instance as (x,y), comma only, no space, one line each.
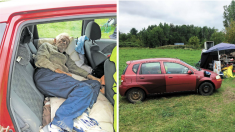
(229,95)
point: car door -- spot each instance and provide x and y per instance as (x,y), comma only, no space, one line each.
(177,78)
(150,76)
(108,33)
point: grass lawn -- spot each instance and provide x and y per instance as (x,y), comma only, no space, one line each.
(180,112)
(73,28)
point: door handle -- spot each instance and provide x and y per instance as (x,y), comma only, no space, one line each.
(141,77)
(170,77)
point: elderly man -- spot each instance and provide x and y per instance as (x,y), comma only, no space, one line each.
(53,78)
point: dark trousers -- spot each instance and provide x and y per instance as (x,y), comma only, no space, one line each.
(79,95)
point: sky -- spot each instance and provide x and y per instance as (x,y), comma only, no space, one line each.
(141,14)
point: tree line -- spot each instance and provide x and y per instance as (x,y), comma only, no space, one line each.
(168,34)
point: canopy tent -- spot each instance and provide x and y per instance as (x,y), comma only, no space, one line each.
(213,53)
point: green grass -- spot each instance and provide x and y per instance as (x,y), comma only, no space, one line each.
(73,28)
(179,112)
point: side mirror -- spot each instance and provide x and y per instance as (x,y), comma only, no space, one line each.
(190,72)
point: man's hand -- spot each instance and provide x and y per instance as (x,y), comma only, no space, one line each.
(60,71)
(93,78)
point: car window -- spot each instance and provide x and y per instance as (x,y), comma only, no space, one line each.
(135,68)
(2,30)
(175,68)
(51,30)
(125,70)
(108,27)
(150,68)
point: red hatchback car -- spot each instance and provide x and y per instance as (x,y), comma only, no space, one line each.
(165,75)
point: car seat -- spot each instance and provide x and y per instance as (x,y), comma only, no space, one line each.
(109,70)
(92,50)
(26,100)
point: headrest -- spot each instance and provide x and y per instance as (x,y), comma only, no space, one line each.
(93,31)
(24,38)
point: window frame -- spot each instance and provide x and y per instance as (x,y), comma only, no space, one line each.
(100,27)
(176,63)
(2,31)
(140,71)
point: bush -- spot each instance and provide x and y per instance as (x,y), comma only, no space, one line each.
(177,47)
(128,44)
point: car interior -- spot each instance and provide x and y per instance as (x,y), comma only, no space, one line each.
(181,70)
(26,101)
(175,68)
(150,69)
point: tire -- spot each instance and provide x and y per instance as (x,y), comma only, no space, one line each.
(206,89)
(135,94)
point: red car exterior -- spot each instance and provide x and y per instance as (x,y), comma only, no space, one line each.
(14,14)
(163,82)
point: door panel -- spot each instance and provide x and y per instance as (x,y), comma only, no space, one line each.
(106,45)
(177,78)
(153,83)
(180,82)
(150,78)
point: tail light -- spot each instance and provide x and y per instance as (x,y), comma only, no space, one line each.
(122,78)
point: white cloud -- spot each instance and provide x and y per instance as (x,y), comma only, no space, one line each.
(140,14)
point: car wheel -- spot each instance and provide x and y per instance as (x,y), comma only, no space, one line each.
(206,88)
(135,95)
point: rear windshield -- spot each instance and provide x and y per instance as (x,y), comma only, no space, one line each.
(124,70)
(135,68)
(2,30)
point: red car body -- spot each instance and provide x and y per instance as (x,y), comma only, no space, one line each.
(14,14)
(164,83)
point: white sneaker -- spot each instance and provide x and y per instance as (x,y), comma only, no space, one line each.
(54,128)
(85,123)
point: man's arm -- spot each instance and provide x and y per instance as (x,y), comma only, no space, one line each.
(73,68)
(42,58)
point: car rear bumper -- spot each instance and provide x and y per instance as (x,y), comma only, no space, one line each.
(122,90)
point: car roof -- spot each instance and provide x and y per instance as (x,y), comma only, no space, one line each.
(152,59)
(10,7)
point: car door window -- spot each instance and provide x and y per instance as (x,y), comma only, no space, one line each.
(175,68)
(108,27)
(150,68)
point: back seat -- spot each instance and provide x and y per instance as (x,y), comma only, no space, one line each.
(26,99)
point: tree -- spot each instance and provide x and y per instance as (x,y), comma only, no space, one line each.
(164,34)
(153,37)
(217,37)
(229,13)
(194,41)
(133,31)
(122,36)
(230,32)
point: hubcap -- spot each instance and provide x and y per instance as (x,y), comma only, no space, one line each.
(135,95)
(206,88)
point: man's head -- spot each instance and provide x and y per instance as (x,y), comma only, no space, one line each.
(62,41)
